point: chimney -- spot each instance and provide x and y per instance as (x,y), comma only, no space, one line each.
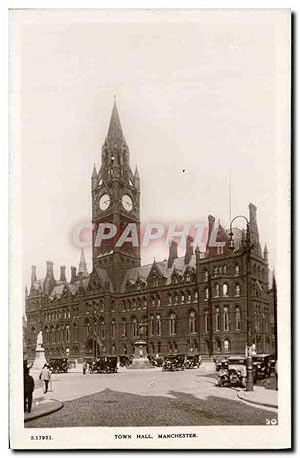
(33,275)
(266,254)
(50,269)
(73,274)
(189,251)
(173,253)
(197,253)
(63,274)
(211,222)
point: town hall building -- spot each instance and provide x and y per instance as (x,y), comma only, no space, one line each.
(204,302)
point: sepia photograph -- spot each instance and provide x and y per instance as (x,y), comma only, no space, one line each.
(150,229)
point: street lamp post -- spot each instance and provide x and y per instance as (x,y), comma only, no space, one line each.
(248,247)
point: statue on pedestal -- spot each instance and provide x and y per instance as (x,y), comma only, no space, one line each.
(40,359)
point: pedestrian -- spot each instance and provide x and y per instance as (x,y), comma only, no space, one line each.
(28,390)
(45,376)
(84,366)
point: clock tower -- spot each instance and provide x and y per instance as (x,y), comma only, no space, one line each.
(115,207)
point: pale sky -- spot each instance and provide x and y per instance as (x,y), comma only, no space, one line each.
(194,92)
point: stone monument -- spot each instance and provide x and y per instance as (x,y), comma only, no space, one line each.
(140,360)
(40,359)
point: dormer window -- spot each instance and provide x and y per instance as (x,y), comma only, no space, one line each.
(155,280)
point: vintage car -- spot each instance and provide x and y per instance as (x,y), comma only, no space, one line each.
(221,363)
(173,363)
(58,365)
(192,361)
(104,364)
(262,365)
(223,373)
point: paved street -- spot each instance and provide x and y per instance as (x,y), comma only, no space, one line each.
(150,397)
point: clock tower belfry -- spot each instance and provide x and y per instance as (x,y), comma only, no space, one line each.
(115,207)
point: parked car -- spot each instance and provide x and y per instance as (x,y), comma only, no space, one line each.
(192,361)
(262,364)
(104,364)
(59,365)
(125,361)
(221,363)
(223,374)
(173,363)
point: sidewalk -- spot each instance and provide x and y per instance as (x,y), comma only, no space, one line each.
(41,407)
(260,396)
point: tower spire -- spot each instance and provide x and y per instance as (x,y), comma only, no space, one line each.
(82,269)
(115,133)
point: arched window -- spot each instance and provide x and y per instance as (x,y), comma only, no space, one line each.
(226,346)
(206,321)
(215,270)
(138,303)
(158,325)
(152,301)
(113,349)
(175,347)
(196,296)
(206,275)
(182,297)
(176,299)
(144,302)
(225,269)
(192,321)
(124,306)
(172,324)
(237,269)
(128,304)
(217,319)
(188,278)
(225,289)
(170,299)
(133,304)
(134,328)
(217,290)
(238,318)
(226,319)
(155,280)
(237,290)
(113,329)
(206,293)
(189,297)
(158,300)
(151,325)
(158,347)
(124,328)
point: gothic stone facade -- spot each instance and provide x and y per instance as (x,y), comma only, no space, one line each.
(191,304)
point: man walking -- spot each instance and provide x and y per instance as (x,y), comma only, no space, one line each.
(45,376)
(84,367)
(28,390)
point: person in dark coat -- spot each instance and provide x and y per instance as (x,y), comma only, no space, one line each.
(28,390)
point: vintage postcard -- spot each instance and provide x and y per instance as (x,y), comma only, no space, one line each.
(150,229)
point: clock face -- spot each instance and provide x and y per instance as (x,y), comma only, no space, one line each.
(127,203)
(104,202)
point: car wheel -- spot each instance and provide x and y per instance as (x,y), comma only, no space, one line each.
(219,381)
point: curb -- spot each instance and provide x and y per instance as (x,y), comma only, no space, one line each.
(258,403)
(54,406)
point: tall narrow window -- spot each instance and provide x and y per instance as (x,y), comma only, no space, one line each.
(172,324)
(158,325)
(67,333)
(196,296)
(134,328)
(124,328)
(206,275)
(206,321)
(102,329)
(151,325)
(238,318)
(225,289)
(226,346)
(237,269)
(237,290)
(158,301)
(226,319)
(182,297)
(192,322)
(217,319)
(170,299)
(113,329)
(217,290)
(206,293)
